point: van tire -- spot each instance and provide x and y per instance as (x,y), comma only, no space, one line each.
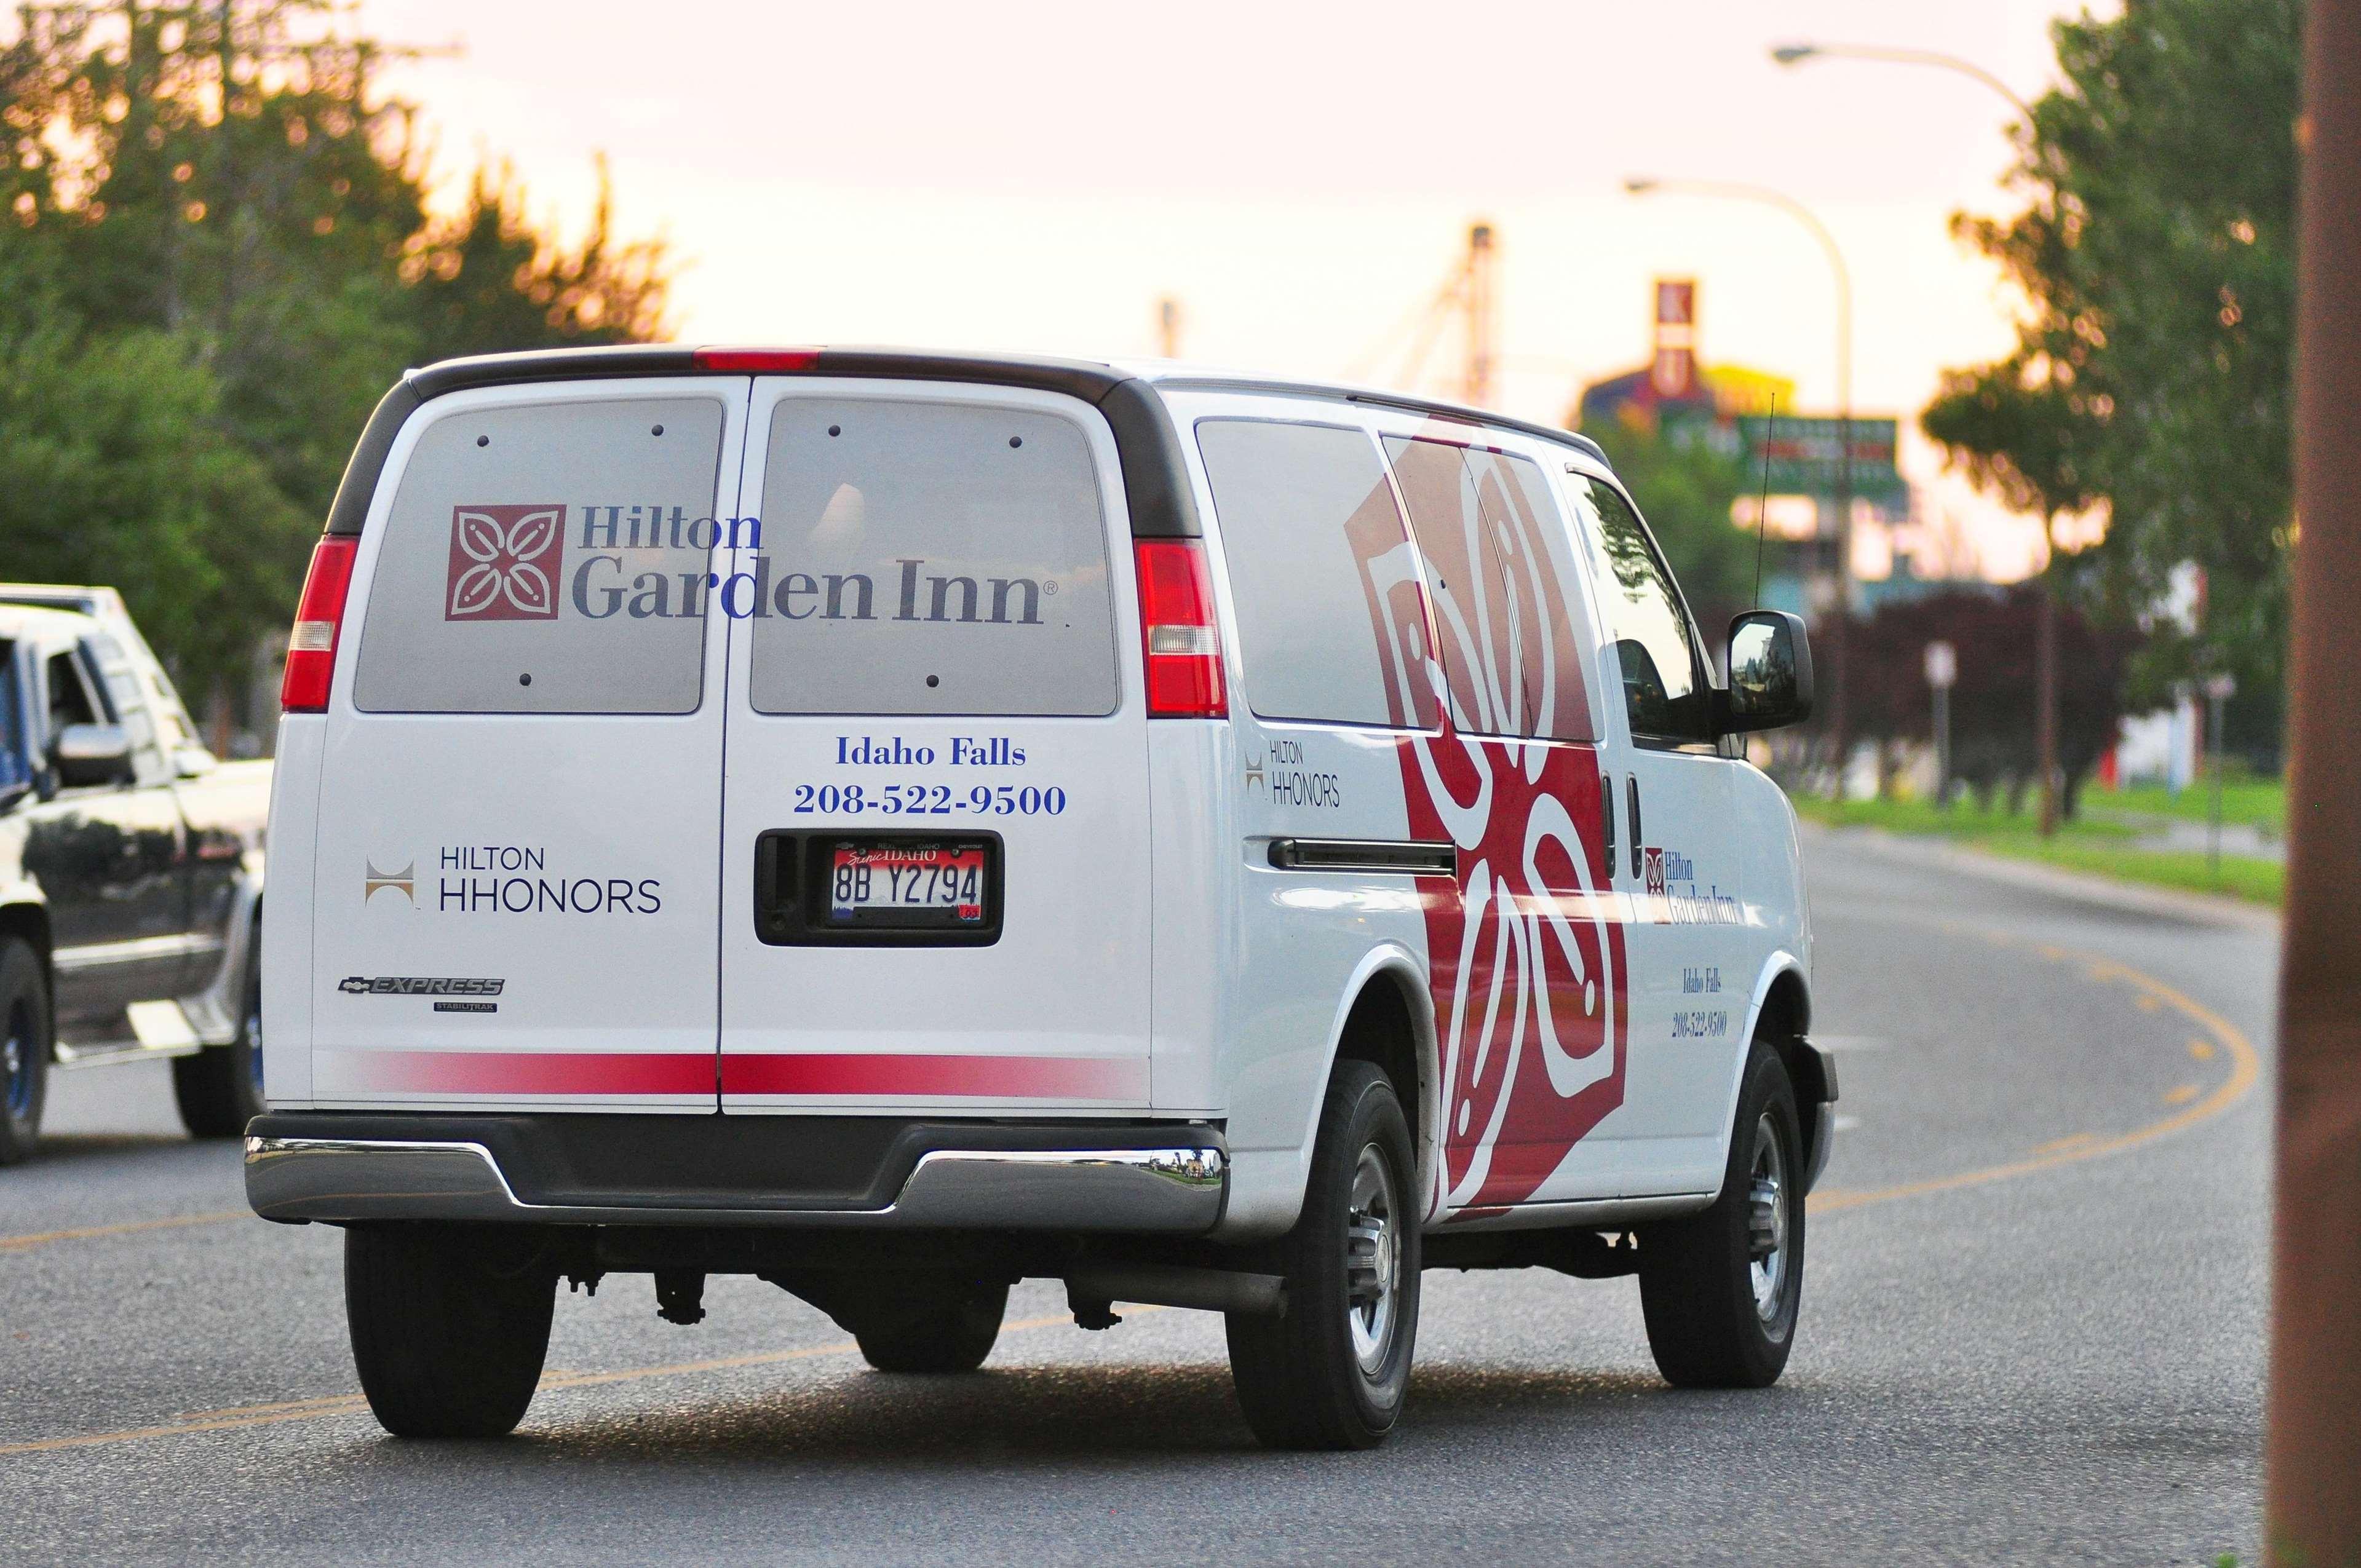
(1302,1378)
(219,1089)
(1711,1322)
(448,1343)
(26,1041)
(953,1333)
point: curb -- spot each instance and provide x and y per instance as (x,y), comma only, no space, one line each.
(2089,887)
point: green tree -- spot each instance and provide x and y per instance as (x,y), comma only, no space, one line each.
(1686,490)
(2152,372)
(211,211)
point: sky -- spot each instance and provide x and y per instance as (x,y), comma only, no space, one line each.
(1300,176)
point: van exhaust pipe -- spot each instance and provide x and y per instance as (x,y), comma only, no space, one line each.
(1091,1292)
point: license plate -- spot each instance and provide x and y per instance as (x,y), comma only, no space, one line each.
(918,884)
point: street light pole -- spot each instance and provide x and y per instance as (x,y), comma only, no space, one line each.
(2044,700)
(1646,185)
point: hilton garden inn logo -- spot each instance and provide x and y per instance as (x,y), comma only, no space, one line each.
(505,562)
(509,562)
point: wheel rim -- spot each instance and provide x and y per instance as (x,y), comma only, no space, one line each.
(1766,1222)
(1372,1261)
(17,1060)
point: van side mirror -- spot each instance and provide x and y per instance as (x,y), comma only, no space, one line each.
(1770,666)
(91,754)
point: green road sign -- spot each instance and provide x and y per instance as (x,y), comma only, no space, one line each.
(1803,453)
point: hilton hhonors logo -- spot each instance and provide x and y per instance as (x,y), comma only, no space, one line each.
(403,881)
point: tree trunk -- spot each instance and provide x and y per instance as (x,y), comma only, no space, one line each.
(2312,1445)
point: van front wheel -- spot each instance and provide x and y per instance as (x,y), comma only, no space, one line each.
(1333,1372)
(448,1339)
(1721,1288)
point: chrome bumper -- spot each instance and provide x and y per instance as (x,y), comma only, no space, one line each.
(1172,1189)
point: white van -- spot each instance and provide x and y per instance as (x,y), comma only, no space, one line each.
(897,823)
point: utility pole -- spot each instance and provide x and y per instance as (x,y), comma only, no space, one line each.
(1477,299)
(1167,327)
(2045,681)
(2312,1447)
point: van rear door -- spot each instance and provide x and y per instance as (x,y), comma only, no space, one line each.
(934,838)
(519,814)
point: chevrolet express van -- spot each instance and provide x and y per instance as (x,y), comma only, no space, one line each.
(898,824)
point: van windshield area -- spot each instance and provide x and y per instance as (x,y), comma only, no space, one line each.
(924,557)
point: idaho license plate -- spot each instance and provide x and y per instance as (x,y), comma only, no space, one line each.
(909,884)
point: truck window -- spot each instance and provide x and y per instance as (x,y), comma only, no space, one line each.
(548,558)
(69,697)
(120,687)
(16,761)
(1663,695)
(1501,565)
(929,558)
(1315,545)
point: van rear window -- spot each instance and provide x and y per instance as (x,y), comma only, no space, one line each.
(931,558)
(548,558)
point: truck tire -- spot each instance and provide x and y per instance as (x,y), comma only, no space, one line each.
(447,1344)
(24,1048)
(219,1089)
(953,1333)
(1721,1289)
(1333,1371)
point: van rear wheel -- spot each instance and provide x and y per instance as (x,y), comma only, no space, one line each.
(448,1338)
(1332,1373)
(953,1332)
(1721,1289)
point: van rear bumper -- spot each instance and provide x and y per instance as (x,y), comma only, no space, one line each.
(786,1171)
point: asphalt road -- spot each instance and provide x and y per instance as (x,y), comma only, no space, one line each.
(2033,1331)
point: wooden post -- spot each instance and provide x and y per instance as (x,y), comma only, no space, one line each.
(2313,1449)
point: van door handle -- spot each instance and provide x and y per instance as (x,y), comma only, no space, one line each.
(1631,795)
(1607,819)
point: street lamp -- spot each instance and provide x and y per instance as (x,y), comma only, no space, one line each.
(1649,185)
(1802,52)
(2045,661)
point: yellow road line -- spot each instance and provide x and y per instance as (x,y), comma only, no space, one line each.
(354,1404)
(83,1233)
(2180,1094)
(2202,1050)
(2072,1140)
(2244,1068)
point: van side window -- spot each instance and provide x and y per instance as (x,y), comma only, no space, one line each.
(547,557)
(1655,652)
(1320,572)
(1501,566)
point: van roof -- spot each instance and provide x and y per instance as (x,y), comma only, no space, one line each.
(1161,506)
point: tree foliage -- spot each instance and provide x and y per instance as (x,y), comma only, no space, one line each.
(2153,367)
(1993,745)
(217,251)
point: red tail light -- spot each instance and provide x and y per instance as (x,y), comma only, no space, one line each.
(755,361)
(312,645)
(1183,642)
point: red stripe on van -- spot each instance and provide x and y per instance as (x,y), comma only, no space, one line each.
(638,1074)
(936,1077)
